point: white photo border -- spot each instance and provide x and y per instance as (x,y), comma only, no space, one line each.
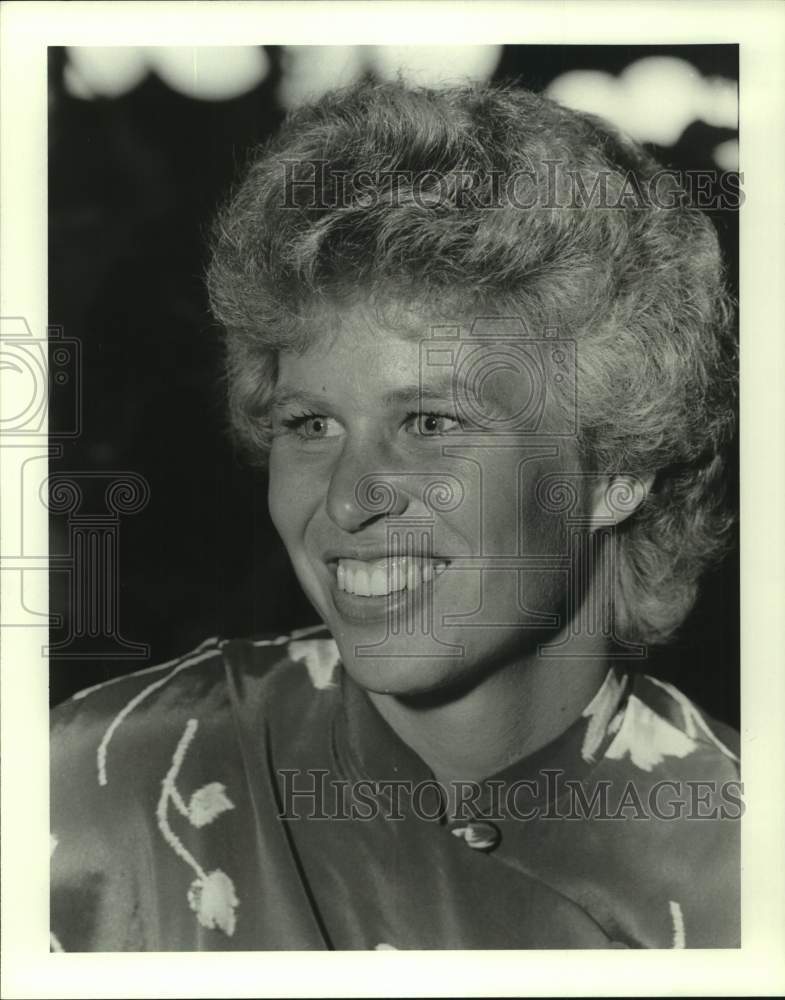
(758,967)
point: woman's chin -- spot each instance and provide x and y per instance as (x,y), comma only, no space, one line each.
(401,675)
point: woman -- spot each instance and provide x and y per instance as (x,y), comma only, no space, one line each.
(486,346)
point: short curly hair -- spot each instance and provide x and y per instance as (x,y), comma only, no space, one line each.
(404,192)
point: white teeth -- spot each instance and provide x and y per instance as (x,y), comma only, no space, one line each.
(385,576)
(379,582)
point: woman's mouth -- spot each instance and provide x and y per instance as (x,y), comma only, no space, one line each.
(389,575)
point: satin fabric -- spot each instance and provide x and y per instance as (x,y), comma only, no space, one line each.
(185,816)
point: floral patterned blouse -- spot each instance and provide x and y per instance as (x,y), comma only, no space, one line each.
(248,796)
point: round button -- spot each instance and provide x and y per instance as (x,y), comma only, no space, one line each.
(479,836)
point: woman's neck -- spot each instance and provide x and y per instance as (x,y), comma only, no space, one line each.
(516,710)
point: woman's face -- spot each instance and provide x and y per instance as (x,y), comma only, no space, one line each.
(407,499)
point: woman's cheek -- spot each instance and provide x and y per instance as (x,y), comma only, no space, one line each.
(293,493)
(282,492)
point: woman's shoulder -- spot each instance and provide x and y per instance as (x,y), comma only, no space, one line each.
(662,721)
(209,683)
(143,764)
(257,655)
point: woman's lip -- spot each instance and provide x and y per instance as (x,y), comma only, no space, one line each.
(333,562)
(332,559)
(383,577)
(401,604)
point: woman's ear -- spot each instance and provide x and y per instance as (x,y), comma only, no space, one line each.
(616,497)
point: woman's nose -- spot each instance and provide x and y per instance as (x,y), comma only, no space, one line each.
(363,488)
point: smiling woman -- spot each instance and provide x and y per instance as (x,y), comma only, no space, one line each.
(488,356)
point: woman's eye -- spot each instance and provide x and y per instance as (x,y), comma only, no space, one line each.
(432,424)
(313,426)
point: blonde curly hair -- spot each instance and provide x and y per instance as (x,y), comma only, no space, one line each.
(493,196)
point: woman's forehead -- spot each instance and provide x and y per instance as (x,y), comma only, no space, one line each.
(419,319)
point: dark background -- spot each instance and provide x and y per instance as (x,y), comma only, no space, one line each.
(133,184)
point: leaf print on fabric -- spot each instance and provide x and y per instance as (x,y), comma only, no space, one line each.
(212,894)
(320,657)
(694,723)
(54,942)
(199,656)
(648,738)
(677,919)
(213,900)
(599,712)
(208,802)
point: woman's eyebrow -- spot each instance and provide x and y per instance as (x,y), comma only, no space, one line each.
(440,389)
(283,395)
(406,394)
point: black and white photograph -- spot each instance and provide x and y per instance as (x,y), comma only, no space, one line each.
(383,414)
